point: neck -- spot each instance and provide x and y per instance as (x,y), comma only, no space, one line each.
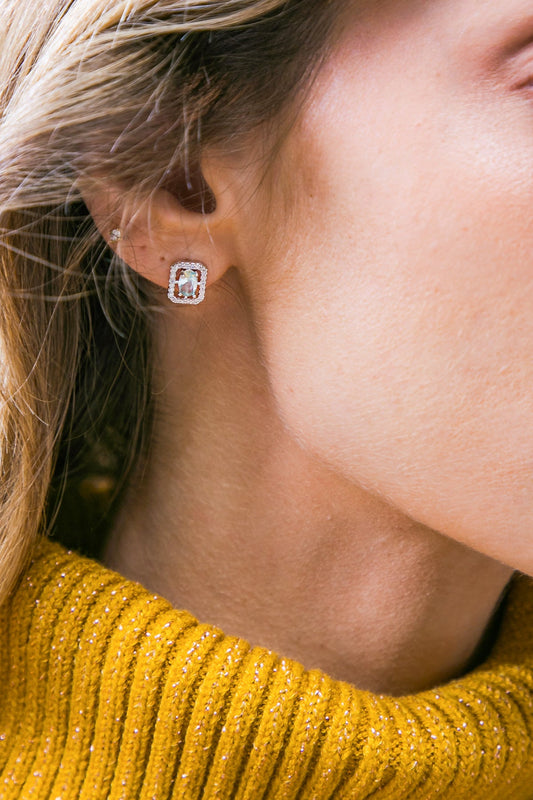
(234,521)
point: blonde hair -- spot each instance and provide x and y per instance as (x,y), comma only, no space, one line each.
(132,89)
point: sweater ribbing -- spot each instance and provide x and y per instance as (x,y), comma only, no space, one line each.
(108,693)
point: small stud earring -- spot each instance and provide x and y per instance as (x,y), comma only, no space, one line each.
(187,282)
(115,235)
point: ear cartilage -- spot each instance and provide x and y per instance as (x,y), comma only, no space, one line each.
(187,282)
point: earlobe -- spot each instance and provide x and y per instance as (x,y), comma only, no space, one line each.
(187,279)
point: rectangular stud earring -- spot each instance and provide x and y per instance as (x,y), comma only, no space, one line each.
(187,282)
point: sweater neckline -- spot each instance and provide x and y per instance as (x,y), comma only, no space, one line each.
(112,693)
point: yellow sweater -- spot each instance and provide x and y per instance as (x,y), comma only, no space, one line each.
(109,692)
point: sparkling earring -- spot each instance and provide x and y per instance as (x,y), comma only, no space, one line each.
(115,235)
(186,283)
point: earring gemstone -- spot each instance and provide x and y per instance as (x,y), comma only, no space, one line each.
(187,282)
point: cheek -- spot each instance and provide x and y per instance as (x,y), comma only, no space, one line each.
(400,341)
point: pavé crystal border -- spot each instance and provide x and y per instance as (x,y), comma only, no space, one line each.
(181,266)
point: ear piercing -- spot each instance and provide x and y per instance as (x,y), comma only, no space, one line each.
(187,279)
(187,282)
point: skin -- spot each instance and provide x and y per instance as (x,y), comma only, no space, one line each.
(342,458)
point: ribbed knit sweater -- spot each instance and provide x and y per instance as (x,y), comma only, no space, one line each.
(108,692)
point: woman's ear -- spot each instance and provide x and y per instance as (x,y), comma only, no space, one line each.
(182,220)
